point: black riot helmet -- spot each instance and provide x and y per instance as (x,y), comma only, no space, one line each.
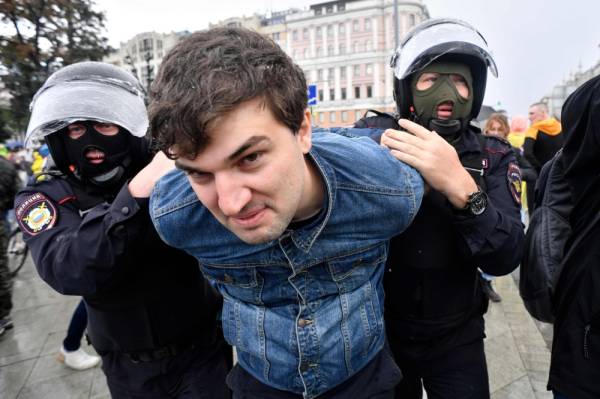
(97,98)
(440,40)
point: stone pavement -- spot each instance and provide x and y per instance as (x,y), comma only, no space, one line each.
(518,357)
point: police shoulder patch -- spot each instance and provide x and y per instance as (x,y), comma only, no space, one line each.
(514,181)
(36,213)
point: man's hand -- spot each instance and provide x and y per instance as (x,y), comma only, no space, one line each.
(434,158)
(142,184)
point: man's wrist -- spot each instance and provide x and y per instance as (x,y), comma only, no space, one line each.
(461,192)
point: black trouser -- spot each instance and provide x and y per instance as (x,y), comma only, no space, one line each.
(375,381)
(5,279)
(460,373)
(198,373)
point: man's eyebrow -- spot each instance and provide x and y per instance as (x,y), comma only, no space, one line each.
(187,168)
(252,141)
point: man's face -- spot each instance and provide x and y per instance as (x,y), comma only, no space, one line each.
(252,174)
(536,114)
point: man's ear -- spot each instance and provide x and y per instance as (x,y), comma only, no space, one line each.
(304,135)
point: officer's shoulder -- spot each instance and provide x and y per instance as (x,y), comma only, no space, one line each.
(55,188)
(495,144)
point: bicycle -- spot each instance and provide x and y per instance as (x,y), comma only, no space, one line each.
(16,251)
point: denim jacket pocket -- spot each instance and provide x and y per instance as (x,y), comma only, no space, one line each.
(354,269)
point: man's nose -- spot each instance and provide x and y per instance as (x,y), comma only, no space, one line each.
(232,195)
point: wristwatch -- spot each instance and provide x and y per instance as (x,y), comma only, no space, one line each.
(476,203)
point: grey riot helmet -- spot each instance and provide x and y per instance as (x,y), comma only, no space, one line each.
(91,93)
(440,40)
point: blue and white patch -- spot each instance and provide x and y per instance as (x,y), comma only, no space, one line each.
(515,182)
(36,214)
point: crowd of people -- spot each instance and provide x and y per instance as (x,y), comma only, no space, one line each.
(342,262)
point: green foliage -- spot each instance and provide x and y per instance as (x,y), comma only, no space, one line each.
(46,35)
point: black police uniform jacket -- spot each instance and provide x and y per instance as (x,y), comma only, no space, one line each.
(433,297)
(140,293)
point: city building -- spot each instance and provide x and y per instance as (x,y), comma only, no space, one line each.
(143,53)
(343,46)
(561,91)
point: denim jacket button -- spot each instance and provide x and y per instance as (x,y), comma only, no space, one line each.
(304,322)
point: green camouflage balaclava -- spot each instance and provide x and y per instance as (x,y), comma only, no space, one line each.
(426,101)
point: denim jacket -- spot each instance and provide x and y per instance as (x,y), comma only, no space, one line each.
(304,311)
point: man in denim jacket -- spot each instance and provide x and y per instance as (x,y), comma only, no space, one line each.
(291,225)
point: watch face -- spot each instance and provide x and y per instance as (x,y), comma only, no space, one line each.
(478,203)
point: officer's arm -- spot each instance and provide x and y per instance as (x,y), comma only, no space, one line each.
(494,239)
(83,256)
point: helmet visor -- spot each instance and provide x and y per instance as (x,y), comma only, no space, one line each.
(104,100)
(435,38)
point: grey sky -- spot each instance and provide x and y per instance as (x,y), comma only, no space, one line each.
(536,43)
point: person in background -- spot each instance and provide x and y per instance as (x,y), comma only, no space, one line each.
(71,353)
(9,185)
(516,136)
(543,139)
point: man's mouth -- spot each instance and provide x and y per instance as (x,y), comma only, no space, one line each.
(95,156)
(250,218)
(444,110)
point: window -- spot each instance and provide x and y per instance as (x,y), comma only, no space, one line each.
(330,50)
(342,28)
(305,33)
(367,24)
(159,44)
(319,32)
(369,70)
(321,117)
(357,115)
(332,116)
(368,45)
(319,74)
(329,30)
(331,94)
(329,9)
(411,20)
(319,51)
(276,36)
(318,11)
(344,116)
(305,52)
(369,91)
(355,25)
(342,48)
(343,72)
(341,6)
(321,97)
(330,74)
(343,93)
(355,47)
(356,70)
(356,91)
(295,35)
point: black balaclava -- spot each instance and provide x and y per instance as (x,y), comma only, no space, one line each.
(425,102)
(116,149)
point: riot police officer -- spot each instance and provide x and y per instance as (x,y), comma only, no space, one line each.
(434,304)
(152,316)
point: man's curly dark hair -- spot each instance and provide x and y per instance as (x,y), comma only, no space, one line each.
(209,74)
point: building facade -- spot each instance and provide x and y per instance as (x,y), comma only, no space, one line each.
(143,53)
(560,92)
(343,46)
